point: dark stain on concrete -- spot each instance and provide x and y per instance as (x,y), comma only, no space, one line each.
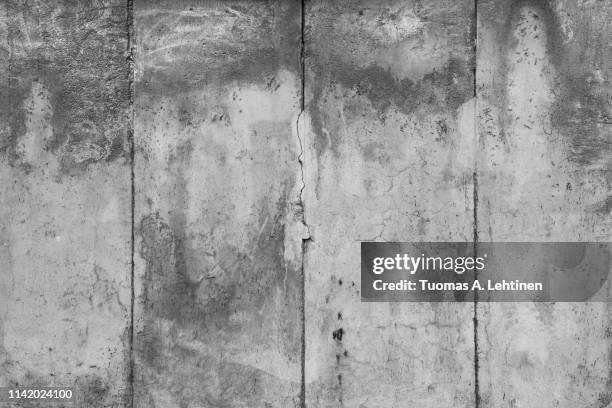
(338,334)
(94,392)
(168,289)
(604,399)
(264,38)
(203,307)
(441,91)
(180,288)
(194,379)
(201,299)
(581,111)
(77,53)
(606,206)
(338,33)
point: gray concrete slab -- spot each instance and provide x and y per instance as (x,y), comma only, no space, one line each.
(389,156)
(65,223)
(218,210)
(544,175)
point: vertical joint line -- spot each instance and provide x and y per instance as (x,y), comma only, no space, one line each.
(475,317)
(302,55)
(475,45)
(130,64)
(475,207)
(301,198)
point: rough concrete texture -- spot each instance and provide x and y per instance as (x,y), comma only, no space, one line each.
(65,200)
(218,207)
(269,138)
(543,82)
(389,136)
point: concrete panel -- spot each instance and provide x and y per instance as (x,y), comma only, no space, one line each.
(544,70)
(65,223)
(389,141)
(218,209)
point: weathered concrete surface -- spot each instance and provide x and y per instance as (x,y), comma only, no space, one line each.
(389,155)
(218,213)
(544,71)
(231,176)
(65,197)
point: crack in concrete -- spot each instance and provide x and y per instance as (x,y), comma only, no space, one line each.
(303,184)
(305,240)
(302,110)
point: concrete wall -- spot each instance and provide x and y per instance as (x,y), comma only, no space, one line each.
(185,185)
(544,175)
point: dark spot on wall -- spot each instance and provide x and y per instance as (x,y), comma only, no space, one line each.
(338,334)
(340,391)
(185,114)
(606,206)
(604,399)
(442,130)
(376,151)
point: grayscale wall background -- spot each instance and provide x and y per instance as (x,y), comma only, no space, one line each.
(184,186)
